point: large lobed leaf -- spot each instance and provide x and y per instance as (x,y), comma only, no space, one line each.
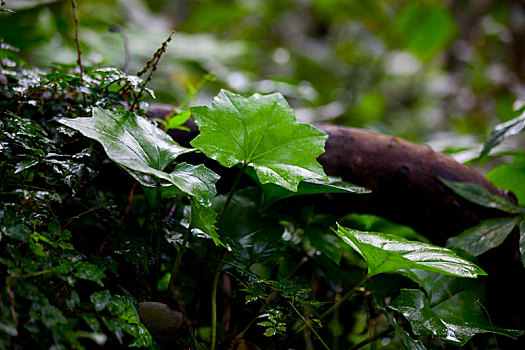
(144,151)
(260,131)
(455,320)
(389,253)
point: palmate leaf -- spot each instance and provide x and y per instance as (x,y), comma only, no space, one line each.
(455,320)
(144,151)
(260,131)
(486,235)
(390,253)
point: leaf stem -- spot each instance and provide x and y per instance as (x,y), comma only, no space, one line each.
(230,194)
(176,264)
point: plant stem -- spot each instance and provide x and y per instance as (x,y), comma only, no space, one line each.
(371,339)
(176,264)
(230,194)
(215,284)
(79,51)
(309,327)
(158,234)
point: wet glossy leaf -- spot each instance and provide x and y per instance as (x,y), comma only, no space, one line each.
(403,335)
(25,164)
(90,272)
(262,132)
(504,130)
(455,320)
(440,287)
(272,193)
(389,253)
(487,235)
(129,140)
(481,196)
(144,151)
(204,219)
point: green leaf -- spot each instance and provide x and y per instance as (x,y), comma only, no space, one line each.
(272,193)
(177,121)
(367,222)
(144,151)
(455,320)
(100,300)
(504,130)
(486,235)
(389,253)
(522,242)
(480,195)
(260,131)
(510,177)
(204,219)
(90,272)
(440,287)
(252,237)
(325,242)
(403,335)
(425,28)
(25,164)
(128,139)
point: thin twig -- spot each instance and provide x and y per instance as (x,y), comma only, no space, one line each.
(79,51)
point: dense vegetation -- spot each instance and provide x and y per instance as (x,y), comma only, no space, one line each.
(102,212)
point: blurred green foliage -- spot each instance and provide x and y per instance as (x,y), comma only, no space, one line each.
(420,70)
